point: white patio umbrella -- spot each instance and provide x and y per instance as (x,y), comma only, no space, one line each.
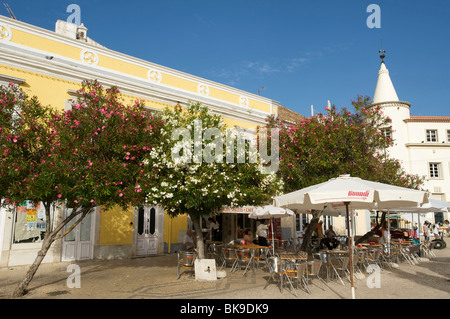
(351,193)
(270,212)
(433,206)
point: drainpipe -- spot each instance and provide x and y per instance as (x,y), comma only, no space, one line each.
(170,235)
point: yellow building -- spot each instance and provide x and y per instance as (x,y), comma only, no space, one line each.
(51,66)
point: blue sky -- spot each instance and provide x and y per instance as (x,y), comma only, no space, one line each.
(301,52)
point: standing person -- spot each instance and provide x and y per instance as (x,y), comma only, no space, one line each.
(436,231)
(447,227)
(385,235)
(213,229)
(426,232)
(262,232)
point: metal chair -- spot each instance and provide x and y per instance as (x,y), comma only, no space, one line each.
(300,275)
(260,256)
(186,261)
(229,257)
(215,252)
(244,257)
(341,266)
(277,271)
(373,257)
(314,271)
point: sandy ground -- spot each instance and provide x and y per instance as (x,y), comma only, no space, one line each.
(156,278)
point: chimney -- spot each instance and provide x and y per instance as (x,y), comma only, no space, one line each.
(82,32)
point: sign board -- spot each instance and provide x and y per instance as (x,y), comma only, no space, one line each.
(205,269)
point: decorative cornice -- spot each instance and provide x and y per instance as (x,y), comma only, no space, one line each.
(129,59)
(428,119)
(74,74)
(428,144)
(393,104)
(11,79)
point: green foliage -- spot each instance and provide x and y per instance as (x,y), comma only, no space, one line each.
(88,156)
(186,182)
(339,142)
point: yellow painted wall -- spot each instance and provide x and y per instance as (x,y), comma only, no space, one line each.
(172,225)
(42,43)
(118,64)
(49,90)
(115,227)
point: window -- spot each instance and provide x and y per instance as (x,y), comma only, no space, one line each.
(387,132)
(448,136)
(300,221)
(30,222)
(434,170)
(431,136)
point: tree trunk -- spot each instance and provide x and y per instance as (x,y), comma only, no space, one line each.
(49,238)
(306,244)
(21,289)
(373,231)
(198,235)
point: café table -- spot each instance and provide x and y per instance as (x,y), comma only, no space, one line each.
(253,248)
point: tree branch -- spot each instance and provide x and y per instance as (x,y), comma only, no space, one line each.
(84,212)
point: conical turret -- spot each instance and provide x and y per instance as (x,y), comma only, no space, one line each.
(384,91)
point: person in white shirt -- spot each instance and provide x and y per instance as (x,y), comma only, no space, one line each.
(214,228)
(262,232)
(436,232)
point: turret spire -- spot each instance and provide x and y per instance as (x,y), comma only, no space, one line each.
(385,91)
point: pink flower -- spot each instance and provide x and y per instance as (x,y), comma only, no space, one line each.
(120,195)
(59,195)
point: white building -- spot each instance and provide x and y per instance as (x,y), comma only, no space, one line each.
(422,143)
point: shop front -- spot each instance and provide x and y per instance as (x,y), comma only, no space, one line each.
(236,220)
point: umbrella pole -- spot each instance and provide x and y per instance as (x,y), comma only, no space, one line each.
(389,234)
(350,250)
(273,243)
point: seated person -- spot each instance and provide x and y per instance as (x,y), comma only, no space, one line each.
(248,237)
(330,241)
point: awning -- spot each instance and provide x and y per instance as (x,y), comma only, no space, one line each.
(238,210)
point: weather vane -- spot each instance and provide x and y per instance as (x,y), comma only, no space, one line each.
(382,52)
(382,55)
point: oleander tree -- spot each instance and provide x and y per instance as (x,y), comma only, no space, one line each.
(339,142)
(86,157)
(204,166)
